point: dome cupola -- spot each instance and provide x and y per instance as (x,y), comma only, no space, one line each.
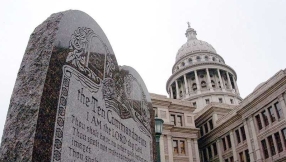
(201,76)
(193,45)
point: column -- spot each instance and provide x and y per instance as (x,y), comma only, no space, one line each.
(255,141)
(233,146)
(197,150)
(170,148)
(209,80)
(249,145)
(162,149)
(191,158)
(236,87)
(197,82)
(220,80)
(282,104)
(228,79)
(218,146)
(177,90)
(186,85)
(171,91)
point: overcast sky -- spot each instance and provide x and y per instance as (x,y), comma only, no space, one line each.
(249,35)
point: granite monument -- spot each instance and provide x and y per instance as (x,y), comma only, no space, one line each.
(72,102)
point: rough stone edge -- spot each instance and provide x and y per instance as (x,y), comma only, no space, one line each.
(20,129)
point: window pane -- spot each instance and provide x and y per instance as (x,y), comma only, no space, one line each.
(278,141)
(284,135)
(259,124)
(175,146)
(224,144)
(264,148)
(271,145)
(231,159)
(278,110)
(265,119)
(228,141)
(179,120)
(205,154)
(214,148)
(211,124)
(210,152)
(182,146)
(247,156)
(201,129)
(237,136)
(206,128)
(241,157)
(172,119)
(271,113)
(243,133)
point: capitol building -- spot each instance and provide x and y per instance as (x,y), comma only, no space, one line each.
(206,120)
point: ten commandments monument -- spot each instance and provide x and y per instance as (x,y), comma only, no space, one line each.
(72,102)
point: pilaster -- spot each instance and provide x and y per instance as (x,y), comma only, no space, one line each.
(219,150)
(162,151)
(228,80)
(249,145)
(255,141)
(170,148)
(190,152)
(282,104)
(234,153)
(197,150)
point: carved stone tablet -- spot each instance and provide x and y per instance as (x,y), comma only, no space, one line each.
(72,102)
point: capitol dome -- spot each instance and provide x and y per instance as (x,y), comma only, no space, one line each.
(193,45)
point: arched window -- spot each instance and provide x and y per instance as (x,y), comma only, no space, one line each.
(213,83)
(194,87)
(206,58)
(198,58)
(203,84)
(190,61)
(213,58)
(183,64)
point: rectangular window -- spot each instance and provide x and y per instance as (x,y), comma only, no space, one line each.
(237,136)
(207,101)
(258,121)
(284,135)
(194,104)
(206,128)
(175,147)
(271,113)
(279,142)
(246,152)
(264,148)
(265,119)
(226,160)
(182,148)
(205,154)
(220,100)
(228,141)
(202,131)
(241,157)
(210,152)
(215,149)
(172,119)
(278,110)
(231,159)
(243,133)
(231,101)
(179,120)
(271,145)
(211,124)
(224,144)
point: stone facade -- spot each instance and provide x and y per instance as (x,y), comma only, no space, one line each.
(205,110)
